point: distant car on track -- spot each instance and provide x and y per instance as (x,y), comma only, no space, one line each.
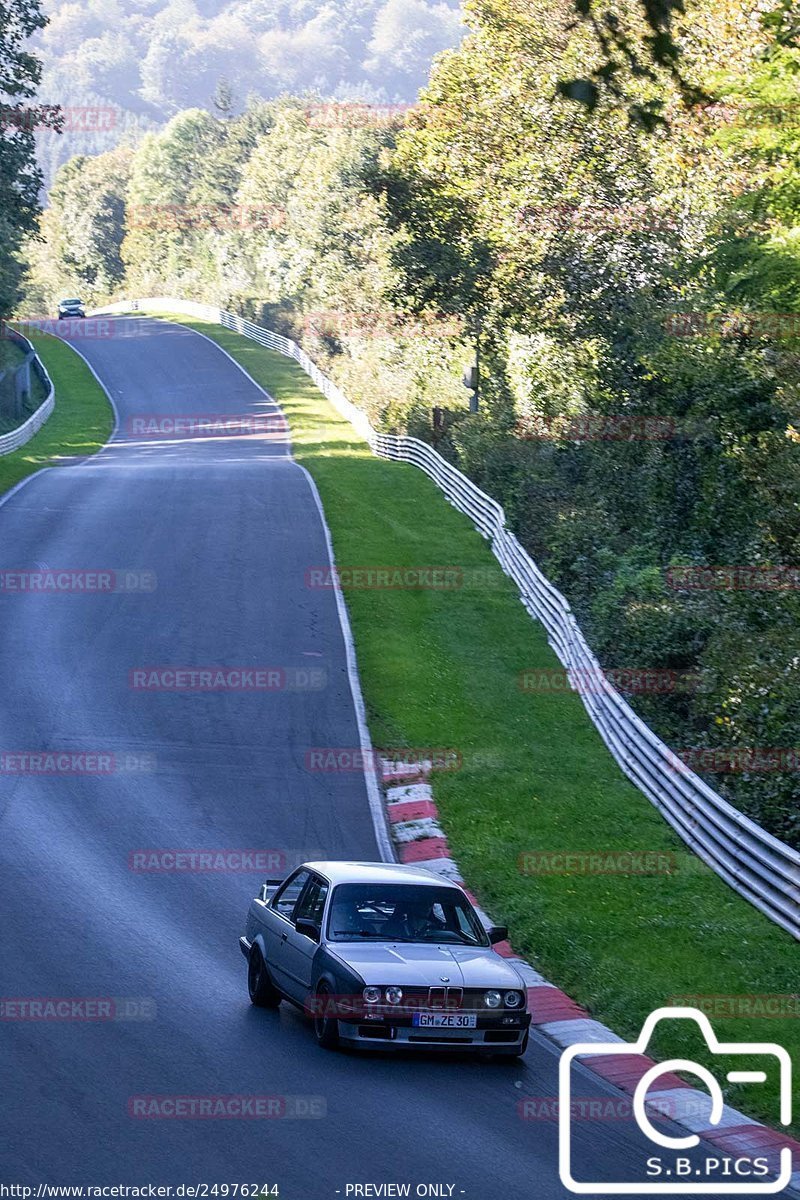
(384,956)
(70,308)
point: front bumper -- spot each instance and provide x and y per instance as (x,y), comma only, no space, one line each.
(501,1034)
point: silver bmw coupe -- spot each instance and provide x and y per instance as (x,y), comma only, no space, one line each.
(384,956)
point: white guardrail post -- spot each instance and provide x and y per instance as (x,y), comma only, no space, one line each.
(757,865)
(18,437)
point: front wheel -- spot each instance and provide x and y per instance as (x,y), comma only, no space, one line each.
(326,1027)
(262,991)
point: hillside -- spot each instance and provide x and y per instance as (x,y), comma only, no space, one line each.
(119,67)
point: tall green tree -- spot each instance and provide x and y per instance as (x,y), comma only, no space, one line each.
(20,179)
(83,229)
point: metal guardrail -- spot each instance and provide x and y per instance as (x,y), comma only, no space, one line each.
(18,386)
(757,865)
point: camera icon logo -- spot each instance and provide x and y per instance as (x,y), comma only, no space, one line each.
(677,1181)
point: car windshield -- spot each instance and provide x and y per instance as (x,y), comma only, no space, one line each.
(403,912)
(70,301)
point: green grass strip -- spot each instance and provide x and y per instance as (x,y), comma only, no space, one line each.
(80,424)
(441,669)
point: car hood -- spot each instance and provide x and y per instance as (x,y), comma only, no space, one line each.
(424,964)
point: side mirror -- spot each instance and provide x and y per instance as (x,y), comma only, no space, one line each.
(497,933)
(309,928)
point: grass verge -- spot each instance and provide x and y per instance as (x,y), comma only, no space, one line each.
(441,669)
(79,425)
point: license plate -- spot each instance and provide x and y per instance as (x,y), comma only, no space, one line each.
(445,1020)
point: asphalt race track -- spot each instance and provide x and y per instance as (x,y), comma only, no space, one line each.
(221,531)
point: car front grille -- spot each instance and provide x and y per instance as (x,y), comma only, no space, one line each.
(445,997)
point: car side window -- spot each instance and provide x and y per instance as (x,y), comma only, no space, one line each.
(313,901)
(287,896)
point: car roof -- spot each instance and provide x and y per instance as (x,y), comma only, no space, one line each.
(377,872)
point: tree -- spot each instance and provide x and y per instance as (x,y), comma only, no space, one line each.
(642,42)
(20,178)
(181,182)
(223,99)
(84,226)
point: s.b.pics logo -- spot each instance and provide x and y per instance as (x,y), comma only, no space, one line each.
(675,1161)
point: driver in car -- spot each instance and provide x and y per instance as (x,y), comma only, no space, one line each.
(413,921)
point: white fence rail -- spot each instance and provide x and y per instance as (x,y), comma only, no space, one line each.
(23,433)
(758,866)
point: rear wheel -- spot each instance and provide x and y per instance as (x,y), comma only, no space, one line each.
(263,992)
(326,1027)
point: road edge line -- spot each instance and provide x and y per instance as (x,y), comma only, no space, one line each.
(376,805)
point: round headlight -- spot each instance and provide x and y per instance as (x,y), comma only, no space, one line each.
(492,999)
(372,995)
(512,999)
(394,995)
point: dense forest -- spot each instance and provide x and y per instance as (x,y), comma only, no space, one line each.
(632,286)
(120,67)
